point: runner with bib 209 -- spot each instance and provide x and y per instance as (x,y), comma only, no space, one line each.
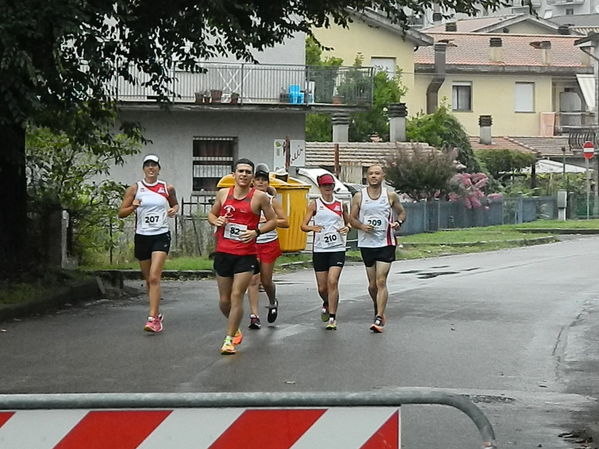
(377,214)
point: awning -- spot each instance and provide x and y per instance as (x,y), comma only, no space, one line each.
(549,166)
(587,86)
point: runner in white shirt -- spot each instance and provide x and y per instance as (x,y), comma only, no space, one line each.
(330,227)
(152,201)
(377,213)
(267,252)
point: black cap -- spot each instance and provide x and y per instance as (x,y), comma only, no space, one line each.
(262,170)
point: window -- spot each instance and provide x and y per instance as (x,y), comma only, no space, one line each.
(569,11)
(524,97)
(384,65)
(461,93)
(212,159)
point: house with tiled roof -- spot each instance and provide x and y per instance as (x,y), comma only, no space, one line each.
(526,83)
(379,43)
(511,23)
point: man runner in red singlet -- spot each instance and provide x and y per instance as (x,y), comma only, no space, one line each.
(236,215)
(377,213)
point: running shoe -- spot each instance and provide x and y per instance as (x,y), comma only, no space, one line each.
(378,325)
(228,348)
(273,310)
(237,338)
(332,325)
(254,322)
(324,313)
(154,324)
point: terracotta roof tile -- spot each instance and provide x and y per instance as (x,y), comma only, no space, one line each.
(355,153)
(500,143)
(473,49)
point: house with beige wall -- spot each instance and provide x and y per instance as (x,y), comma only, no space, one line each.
(379,43)
(527,83)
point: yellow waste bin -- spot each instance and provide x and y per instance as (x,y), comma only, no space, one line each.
(293,195)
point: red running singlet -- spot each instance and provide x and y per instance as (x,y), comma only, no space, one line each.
(240,217)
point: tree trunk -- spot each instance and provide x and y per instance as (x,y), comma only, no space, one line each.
(13,197)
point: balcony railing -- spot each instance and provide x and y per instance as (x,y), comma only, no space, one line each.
(220,83)
(565,121)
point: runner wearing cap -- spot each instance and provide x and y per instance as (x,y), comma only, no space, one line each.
(268,250)
(152,201)
(330,227)
(377,213)
(236,215)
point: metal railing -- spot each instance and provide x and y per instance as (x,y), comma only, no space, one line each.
(396,398)
(238,83)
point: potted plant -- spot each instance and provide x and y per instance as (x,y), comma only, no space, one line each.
(234,98)
(216,95)
(199,97)
(206,96)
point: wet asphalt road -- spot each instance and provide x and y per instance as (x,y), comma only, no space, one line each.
(517,330)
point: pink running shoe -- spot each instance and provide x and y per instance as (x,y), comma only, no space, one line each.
(237,338)
(154,324)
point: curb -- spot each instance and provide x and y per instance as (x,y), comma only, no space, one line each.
(558,231)
(80,291)
(531,241)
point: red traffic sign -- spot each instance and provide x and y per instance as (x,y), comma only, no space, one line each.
(588,150)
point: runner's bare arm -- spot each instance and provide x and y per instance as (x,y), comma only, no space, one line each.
(268,211)
(282,220)
(129,203)
(172,201)
(400,212)
(346,220)
(213,218)
(309,214)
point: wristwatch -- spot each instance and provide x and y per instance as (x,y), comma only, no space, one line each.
(400,222)
(258,232)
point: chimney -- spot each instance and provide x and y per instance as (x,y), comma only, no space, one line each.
(432,91)
(545,52)
(545,47)
(451,26)
(485,122)
(564,30)
(496,46)
(340,127)
(397,122)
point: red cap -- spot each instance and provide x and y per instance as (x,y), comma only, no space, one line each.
(325,179)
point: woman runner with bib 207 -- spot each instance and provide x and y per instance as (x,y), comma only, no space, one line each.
(152,201)
(330,227)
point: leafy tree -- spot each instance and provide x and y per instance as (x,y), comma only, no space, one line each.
(501,163)
(421,174)
(64,175)
(376,120)
(58,56)
(443,130)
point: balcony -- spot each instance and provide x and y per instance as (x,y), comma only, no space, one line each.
(259,84)
(565,2)
(566,121)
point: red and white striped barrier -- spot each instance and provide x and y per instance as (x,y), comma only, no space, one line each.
(203,428)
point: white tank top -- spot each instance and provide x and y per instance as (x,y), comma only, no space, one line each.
(378,213)
(151,214)
(330,217)
(269,236)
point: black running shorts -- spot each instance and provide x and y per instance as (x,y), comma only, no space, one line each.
(227,265)
(145,245)
(380,254)
(324,261)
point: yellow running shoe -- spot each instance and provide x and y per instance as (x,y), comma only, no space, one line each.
(228,348)
(332,325)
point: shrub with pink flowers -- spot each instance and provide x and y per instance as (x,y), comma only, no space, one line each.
(469,188)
